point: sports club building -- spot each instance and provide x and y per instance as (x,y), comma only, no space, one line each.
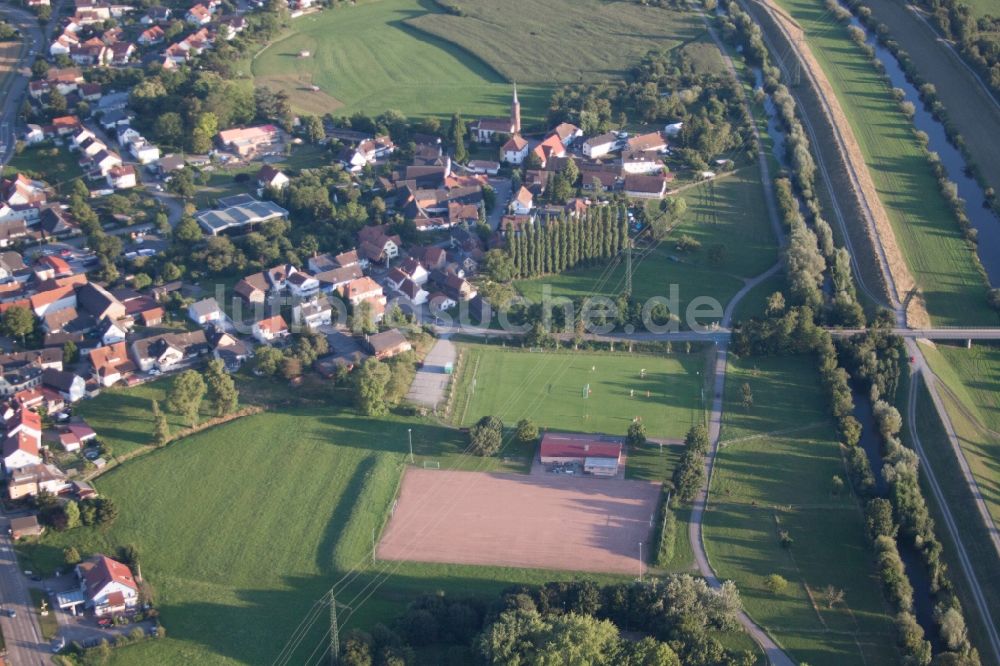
(600,456)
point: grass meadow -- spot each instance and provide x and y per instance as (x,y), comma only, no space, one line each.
(971,378)
(547,387)
(56,165)
(368,58)
(567,41)
(773,473)
(241,528)
(939,258)
(728,212)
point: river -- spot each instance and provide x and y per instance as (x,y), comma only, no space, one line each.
(983,219)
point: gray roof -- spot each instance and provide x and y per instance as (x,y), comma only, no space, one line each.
(252,212)
(205,307)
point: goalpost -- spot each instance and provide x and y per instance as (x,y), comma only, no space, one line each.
(432,464)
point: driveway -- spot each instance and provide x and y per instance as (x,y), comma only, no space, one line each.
(502,187)
(431,380)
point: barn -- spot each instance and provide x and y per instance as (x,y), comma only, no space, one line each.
(600,456)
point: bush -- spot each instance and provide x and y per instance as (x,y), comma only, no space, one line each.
(486,436)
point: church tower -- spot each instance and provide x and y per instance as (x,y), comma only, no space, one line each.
(515,112)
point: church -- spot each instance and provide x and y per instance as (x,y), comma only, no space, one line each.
(485,130)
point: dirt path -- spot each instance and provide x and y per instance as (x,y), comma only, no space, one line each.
(903,287)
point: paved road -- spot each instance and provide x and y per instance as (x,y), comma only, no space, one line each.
(22,633)
(431,380)
(502,187)
(33,40)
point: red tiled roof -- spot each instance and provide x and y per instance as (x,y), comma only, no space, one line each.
(578,446)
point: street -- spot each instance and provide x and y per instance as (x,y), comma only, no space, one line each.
(22,633)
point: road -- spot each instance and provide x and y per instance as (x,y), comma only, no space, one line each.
(22,633)
(33,41)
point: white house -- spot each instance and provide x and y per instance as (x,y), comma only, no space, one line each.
(599,146)
(20,450)
(302,284)
(111,332)
(34,134)
(313,314)
(144,151)
(523,202)
(107,585)
(80,137)
(414,293)
(270,329)
(122,177)
(205,311)
(515,151)
(414,270)
(641,161)
(269,177)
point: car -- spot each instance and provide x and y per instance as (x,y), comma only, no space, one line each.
(104,622)
(11,613)
(65,252)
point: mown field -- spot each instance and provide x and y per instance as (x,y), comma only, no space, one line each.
(775,473)
(939,258)
(971,380)
(566,41)
(729,212)
(548,388)
(57,166)
(367,58)
(241,528)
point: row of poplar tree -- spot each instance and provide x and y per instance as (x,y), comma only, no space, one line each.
(558,244)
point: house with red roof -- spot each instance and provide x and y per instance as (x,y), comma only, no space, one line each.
(107,585)
(111,363)
(268,330)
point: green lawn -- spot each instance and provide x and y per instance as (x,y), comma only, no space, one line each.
(123,418)
(972,398)
(241,528)
(548,388)
(774,473)
(939,258)
(728,212)
(56,165)
(368,59)
(542,42)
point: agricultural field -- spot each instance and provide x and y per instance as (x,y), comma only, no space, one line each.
(10,51)
(540,42)
(971,379)
(369,59)
(939,258)
(775,473)
(727,212)
(548,387)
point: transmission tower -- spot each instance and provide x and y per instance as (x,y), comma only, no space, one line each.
(335,630)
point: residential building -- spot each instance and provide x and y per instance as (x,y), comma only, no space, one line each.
(205,311)
(247,141)
(388,344)
(111,364)
(515,150)
(313,314)
(165,351)
(599,146)
(523,202)
(68,385)
(107,585)
(30,480)
(641,186)
(271,329)
(269,177)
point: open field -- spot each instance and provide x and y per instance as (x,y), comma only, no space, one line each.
(547,521)
(9,54)
(970,108)
(548,388)
(729,212)
(242,527)
(56,165)
(971,395)
(928,235)
(540,42)
(369,59)
(774,473)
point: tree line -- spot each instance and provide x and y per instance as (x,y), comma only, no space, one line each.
(556,245)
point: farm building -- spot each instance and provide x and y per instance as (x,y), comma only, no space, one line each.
(599,456)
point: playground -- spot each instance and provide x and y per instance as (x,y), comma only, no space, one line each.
(583,391)
(548,521)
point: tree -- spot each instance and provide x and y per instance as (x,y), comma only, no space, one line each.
(527,431)
(486,436)
(222,391)
(878,519)
(291,367)
(71,354)
(636,435)
(373,377)
(457,133)
(315,132)
(18,322)
(268,360)
(499,266)
(71,511)
(775,584)
(188,230)
(161,429)
(717,254)
(186,394)
(833,596)
(71,556)
(747,395)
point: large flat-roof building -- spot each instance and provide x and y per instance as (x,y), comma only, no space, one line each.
(599,455)
(238,215)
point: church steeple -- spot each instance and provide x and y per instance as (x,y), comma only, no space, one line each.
(515,112)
